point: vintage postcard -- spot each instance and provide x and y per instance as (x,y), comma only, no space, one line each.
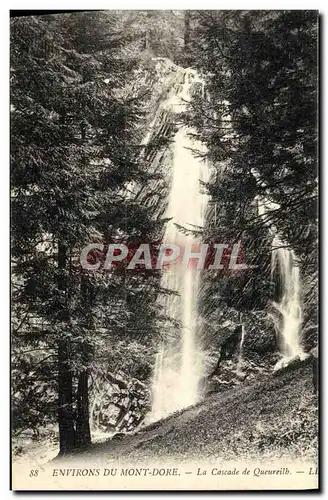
(164,250)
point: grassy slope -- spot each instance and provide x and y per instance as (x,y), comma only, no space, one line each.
(274,417)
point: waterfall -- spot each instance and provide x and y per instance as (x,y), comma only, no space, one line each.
(240,354)
(289,318)
(179,362)
(288,311)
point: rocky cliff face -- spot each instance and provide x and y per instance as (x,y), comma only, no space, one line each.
(258,352)
(310,300)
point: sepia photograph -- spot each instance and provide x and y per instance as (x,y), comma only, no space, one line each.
(164,228)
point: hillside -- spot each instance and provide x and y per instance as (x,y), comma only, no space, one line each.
(271,418)
(268,428)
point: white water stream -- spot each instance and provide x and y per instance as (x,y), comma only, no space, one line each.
(179,364)
(288,316)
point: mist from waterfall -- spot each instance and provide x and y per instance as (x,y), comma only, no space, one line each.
(179,362)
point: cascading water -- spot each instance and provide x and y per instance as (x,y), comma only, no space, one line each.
(288,315)
(240,355)
(289,318)
(179,362)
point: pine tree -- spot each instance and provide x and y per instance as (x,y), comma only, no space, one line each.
(258,120)
(261,112)
(75,148)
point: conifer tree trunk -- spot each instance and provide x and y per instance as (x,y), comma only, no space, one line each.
(67,438)
(65,401)
(83,435)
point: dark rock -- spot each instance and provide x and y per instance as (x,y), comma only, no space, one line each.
(118,436)
(228,348)
(234,372)
(309,337)
(260,336)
